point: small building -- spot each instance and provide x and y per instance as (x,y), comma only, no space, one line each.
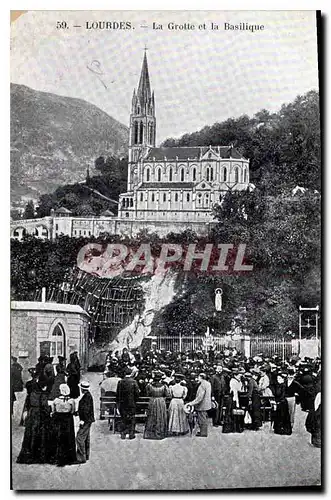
(48,328)
(62,212)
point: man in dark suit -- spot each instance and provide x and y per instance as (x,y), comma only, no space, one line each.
(86,417)
(217,392)
(126,397)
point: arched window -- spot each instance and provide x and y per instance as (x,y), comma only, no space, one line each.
(194,174)
(131,202)
(57,341)
(159,175)
(170,174)
(211,174)
(245,176)
(206,200)
(176,196)
(207,174)
(164,197)
(199,198)
(224,174)
(236,174)
(147,175)
(188,197)
(141,197)
(153,197)
(209,154)
(221,197)
(182,173)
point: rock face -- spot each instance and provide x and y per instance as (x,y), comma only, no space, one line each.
(54,139)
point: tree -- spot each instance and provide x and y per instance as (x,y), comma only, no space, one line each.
(29,210)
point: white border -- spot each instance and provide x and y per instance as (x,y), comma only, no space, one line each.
(324,6)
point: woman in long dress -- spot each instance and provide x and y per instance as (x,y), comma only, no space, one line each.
(35,447)
(254,401)
(73,377)
(178,421)
(63,443)
(156,423)
(232,423)
(282,421)
(313,421)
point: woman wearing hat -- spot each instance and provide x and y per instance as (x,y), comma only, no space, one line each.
(231,403)
(281,417)
(178,422)
(254,400)
(73,376)
(30,385)
(156,423)
(63,442)
(35,447)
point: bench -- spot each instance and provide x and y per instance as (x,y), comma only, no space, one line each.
(108,408)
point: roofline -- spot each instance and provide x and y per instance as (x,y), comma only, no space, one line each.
(17,305)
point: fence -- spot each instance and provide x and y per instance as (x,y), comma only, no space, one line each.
(194,343)
(271,347)
(258,345)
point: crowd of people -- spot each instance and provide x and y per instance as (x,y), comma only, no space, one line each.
(48,413)
(237,392)
(184,391)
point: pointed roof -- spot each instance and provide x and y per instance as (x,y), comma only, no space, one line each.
(144,88)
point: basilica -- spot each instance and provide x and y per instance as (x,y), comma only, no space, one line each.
(174,183)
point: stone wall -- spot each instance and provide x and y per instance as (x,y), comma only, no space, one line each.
(34,322)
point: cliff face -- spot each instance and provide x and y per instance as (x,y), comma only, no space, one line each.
(54,139)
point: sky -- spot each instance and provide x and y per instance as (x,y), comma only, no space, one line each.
(199,76)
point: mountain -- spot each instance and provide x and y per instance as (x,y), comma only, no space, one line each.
(54,139)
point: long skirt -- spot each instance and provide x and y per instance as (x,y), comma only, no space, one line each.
(313,426)
(73,381)
(281,418)
(255,411)
(63,442)
(35,447)
(228,420)
(178,422)
(156,423)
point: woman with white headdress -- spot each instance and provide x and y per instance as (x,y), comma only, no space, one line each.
(63,442)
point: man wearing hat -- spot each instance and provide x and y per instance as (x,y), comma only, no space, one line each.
(202,404)
(218,386)
(127,395)
(86,417)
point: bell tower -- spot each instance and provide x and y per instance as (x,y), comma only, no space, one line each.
(142,117)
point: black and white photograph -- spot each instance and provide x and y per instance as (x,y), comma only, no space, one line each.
(165,250)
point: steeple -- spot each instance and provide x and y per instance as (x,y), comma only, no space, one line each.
(142,118)
(144,88)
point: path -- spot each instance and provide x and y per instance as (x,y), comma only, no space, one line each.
(251,459)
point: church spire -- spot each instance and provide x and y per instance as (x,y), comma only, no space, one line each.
(144,88)
(142,118)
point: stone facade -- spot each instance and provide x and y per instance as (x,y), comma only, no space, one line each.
(48,328)
(174,183)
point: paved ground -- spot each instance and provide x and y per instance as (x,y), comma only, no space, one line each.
(246,460)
